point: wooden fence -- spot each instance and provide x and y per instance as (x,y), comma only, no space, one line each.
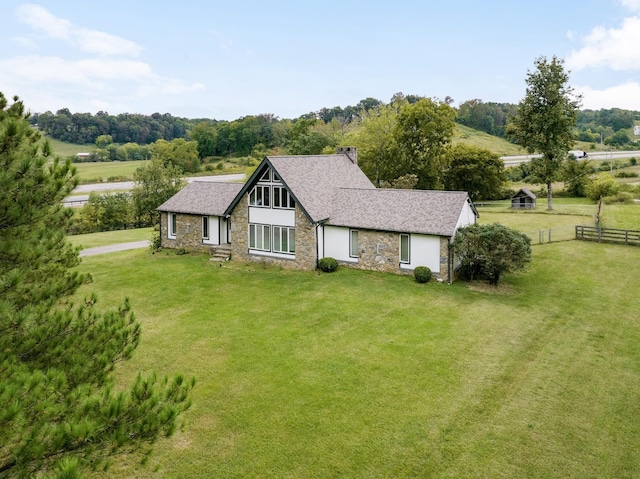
(608,235)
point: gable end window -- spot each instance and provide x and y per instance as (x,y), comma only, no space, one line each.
(282,198)
(260,196)
(353,243)
(172,225)
(405,253)
(284,240)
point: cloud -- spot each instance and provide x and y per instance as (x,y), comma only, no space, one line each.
(107,78)
(633,5)
(87,40)
(614,48)
(625,96)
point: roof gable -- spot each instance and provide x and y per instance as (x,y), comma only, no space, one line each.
(311,180)
(202,198)
(411,211)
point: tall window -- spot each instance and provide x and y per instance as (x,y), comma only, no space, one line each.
(260,237)
(284,239)
(172,226)
(404,248)
(282,198)
(353,243)
(260,196)
(205,227)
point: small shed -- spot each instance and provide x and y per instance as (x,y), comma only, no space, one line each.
(523,200)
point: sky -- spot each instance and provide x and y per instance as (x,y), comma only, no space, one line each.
(226,60)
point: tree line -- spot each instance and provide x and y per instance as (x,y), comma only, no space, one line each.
(309,133)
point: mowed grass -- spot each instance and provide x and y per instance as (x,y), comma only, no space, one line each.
(366,375)
(102,171)
(106,238)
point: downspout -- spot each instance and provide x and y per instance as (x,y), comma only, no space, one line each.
(449,262)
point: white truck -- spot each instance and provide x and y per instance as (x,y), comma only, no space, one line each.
(578,154)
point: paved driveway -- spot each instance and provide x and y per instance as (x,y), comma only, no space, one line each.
(115,247)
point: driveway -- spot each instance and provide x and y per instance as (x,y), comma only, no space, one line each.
(115,247)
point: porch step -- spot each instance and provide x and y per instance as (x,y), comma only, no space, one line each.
(220,253)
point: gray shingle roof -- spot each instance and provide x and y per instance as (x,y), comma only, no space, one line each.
(411,211)
(524,192)
(313,179)
(202,198)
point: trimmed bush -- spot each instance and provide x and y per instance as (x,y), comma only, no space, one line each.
(422,274)
(328,265)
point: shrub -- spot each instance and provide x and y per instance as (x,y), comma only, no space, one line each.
(619,198)
(422,274)
(626,174)
(328,265)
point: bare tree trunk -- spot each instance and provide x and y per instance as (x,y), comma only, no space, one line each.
(549,197)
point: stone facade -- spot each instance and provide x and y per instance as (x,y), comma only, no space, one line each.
(378,251)
(305,257)
(188,233)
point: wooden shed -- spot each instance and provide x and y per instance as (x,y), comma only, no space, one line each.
(523,200)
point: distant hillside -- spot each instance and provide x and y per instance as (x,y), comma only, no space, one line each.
(479,139)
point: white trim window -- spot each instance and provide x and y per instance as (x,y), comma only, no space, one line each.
(405,248)
(353,243)
(260,237)
(284,240)
(282,198)
(260,196)
(205,227)
(172,225)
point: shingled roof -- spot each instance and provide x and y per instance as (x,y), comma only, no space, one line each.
(411,211)
(312,180)
(202,198)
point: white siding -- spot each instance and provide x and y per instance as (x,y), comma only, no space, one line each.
(214,230)
(336,244)
(269,216)
(424,251)
(467,216)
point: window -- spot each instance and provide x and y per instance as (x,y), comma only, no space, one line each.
(172,226)
(205,227)
(282,198)
(259,196)
(404,248)
(266,177)
(284,239)
(260,237)
(353,243)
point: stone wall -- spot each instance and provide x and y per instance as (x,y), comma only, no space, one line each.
(379,251)
(305,257)
(188,233)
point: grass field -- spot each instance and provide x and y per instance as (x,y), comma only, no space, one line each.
(479,139)
(102,171)
(366,375)
(111,237)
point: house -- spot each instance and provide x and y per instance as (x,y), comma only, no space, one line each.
(523,199)
(295,210)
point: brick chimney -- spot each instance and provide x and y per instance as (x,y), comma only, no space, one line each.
(350,151)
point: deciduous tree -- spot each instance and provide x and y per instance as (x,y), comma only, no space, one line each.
(423,133)
(545,121)
(58,409)
(155,183)
(477,171)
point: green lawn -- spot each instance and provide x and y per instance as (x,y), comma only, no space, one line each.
(366,375)
(104,170)
(106,238)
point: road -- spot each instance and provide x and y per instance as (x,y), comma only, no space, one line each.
(595,155)
(79,199)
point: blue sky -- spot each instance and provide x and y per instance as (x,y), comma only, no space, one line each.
(224,60)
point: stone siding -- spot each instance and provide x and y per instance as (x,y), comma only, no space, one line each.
(188,233)
(379,251)
(305,257)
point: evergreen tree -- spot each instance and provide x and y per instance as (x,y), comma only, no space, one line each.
(58,410)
